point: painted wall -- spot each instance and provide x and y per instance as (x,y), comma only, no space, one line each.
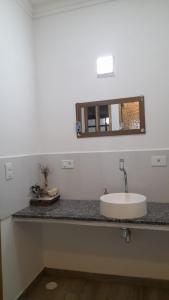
(21,248)
(67,46)
(21,244)
(102,250)
(18,122)
(95,171)
(21,256)
(15,193)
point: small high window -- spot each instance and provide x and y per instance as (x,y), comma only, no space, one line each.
(105,66)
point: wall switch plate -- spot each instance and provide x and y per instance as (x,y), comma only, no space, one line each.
(68,164)
(9,172)
(158,161)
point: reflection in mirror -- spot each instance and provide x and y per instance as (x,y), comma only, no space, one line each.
(104,118)
(125,116)
(116,116)
(110,117)
(82,120)
(91,119)
(130,115)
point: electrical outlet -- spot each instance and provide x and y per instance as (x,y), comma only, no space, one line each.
(158,161)
(9,172)
(68,164)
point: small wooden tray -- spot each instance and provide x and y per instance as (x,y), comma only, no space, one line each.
(44,202)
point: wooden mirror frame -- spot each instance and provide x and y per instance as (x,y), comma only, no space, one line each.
(97,104)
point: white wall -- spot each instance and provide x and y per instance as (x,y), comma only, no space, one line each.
(95,171)
(67,45)
(102,250)
(21,256)
(21,244)
(18,121)
(21,248)
(15,193)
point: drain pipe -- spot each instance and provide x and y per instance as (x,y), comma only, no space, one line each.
(126,234)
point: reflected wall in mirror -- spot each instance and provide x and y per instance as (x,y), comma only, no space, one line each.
(111,117)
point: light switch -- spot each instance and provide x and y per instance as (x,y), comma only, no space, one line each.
(158,161)
(9,172)
(68,164)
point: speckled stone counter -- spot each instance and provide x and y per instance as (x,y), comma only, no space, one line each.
(85,210)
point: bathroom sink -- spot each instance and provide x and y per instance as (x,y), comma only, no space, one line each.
(123,205)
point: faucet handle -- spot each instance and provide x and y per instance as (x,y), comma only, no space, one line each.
(105,191)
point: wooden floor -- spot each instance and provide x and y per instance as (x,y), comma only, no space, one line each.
(72,288)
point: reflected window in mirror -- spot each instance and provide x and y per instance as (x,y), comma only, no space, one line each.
(91,119)
(130,115)
(104,118)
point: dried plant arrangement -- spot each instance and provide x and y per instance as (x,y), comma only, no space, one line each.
(45,173)
(36,191)
(42,194)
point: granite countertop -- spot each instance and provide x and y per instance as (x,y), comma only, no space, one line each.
(89,210)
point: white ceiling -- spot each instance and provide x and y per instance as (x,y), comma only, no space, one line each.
(60,2)
(38,1)
(39,8)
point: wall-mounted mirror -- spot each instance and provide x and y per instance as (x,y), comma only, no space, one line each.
(110,117)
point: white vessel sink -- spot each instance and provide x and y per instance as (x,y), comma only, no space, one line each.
(123,205)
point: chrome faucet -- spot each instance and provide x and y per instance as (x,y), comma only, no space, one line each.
(122,168)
